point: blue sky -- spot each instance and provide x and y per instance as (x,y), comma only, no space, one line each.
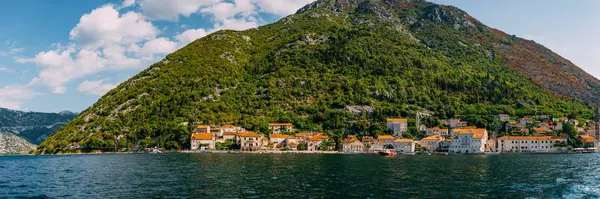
(63,55)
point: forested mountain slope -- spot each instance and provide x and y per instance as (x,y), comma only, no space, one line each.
(396,56)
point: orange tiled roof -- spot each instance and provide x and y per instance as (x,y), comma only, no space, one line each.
(397,120)
(352,139)
(539,129)
(279,136)
(318,138)
(477,133)
(229,133)
(433,137)
(403,140)
(587,138)
(202,126)
(280,124)
(385,137)
(444,130)
(301,134)
(470,127)
(202,136)
(247,134)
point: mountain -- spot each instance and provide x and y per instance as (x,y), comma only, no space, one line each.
(21,131)
(390,58)
(13,144)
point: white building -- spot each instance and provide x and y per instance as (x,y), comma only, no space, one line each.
(352,145)
(249,141)
(530,144)
(432,143)
(469,141)
(397,125)
(404,145)
(203,141)
(277,128)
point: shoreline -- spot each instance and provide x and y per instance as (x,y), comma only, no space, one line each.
(281,152)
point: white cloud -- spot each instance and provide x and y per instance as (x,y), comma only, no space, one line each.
(11,51)
(281,8)
(98,88)
(190,35)
(159,45)
(12,96)
(236,24)
(104,26)
(4,69)
(171,10)
(127,3)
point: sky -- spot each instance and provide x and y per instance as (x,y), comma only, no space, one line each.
(60,55)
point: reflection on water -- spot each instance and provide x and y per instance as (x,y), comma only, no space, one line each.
(299,176)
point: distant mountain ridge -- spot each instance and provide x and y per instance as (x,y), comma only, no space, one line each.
(31,128)
(397,57)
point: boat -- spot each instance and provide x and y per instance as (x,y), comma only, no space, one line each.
(154,150)
(387,153)
(371,153)
(350,152)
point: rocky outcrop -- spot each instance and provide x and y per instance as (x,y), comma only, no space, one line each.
(13,144)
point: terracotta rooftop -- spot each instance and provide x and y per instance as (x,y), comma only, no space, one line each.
(385,137)
(279,136)
(247,134)
(229,133)
(280,124)
(433,137)
(397,120)
(352,139)
(477,133)
(202,136)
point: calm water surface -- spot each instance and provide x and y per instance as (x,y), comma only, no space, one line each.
(299,176)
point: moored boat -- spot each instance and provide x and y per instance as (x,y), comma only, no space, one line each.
(387,153)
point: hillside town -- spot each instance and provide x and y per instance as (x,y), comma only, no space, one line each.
(536,134)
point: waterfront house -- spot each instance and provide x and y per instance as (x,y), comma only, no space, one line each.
(397,125)
(279,140)
(277,128)
(432,143)
(203,141)
(529,144)
(503,117)
(249,141)
(314,143)
(469,141)
(403,145)
(462,125)
(352,144)
(229,135)
(386,140)
(589,141)
(368,141)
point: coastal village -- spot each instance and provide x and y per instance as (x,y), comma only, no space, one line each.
(537,134)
